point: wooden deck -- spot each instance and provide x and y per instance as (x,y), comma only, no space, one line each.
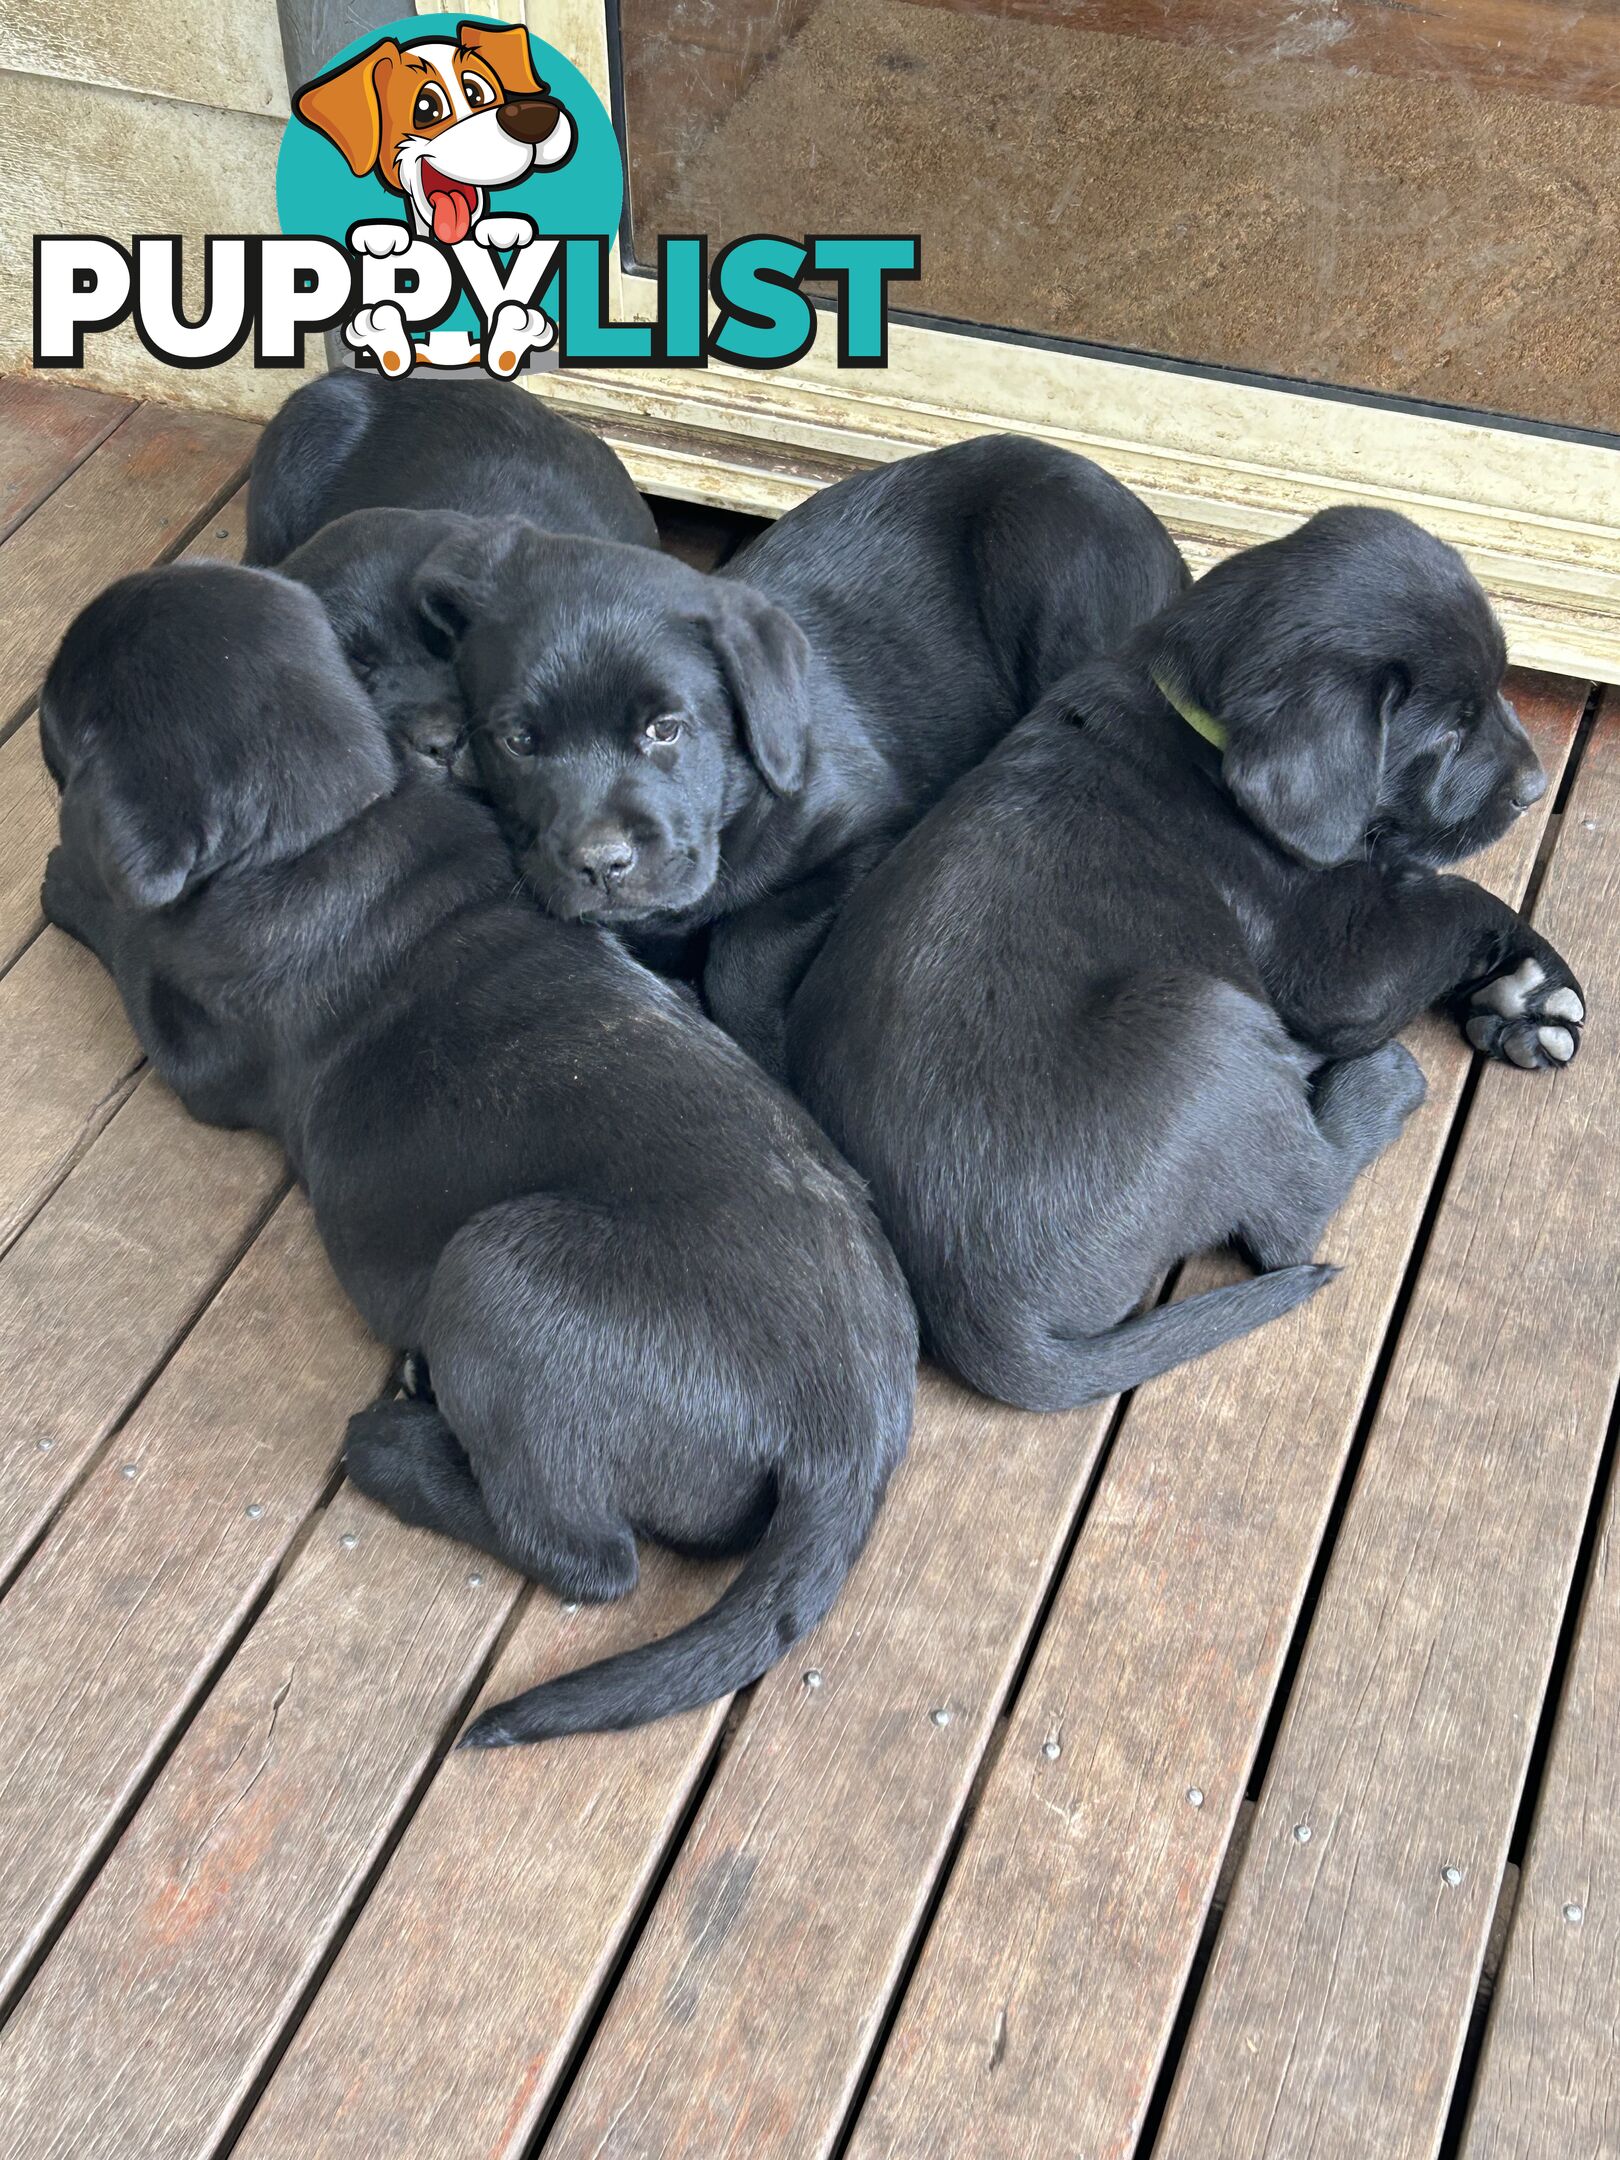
(1231,1773)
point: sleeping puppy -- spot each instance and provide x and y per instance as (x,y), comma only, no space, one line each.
(352,443)
(673,750)
(358,442)
(652,1300)
(1130,989)
(363,570)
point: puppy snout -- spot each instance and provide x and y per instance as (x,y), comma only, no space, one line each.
(602,859)
(438,735)
(528,119)
(1532,785)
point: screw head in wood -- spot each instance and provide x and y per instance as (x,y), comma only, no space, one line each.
(571,1609)
(1451,1877)
(475,1582)
(253,1510)
(45,1445)
(1195,1795)
(1302,1833)
(812,1678)
(1574,1914)
(349,1540)
(941,1716)
(1052,1747)
(127,1470)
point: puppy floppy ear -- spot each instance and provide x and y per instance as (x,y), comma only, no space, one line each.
(145,848)
(1306,765)
(765,659)
(457,580)
(507,52)
(346,106)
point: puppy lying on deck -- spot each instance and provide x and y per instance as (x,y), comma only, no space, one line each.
(347,445)
(1130,989)
(679,753)
(652,1299)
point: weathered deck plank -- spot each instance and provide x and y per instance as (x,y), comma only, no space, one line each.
(47,429)
(128,1251)
(1549,2082)
(67,1061)
(214,1913)
(1022,2030)
(131,501)
(27,834)
(1338,1997)
(454,2008)
(117,1621)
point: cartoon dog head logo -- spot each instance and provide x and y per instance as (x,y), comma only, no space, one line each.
(441,123)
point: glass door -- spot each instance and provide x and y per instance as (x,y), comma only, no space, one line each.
(1253,254)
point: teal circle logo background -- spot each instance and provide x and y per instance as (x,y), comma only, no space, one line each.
(317,193)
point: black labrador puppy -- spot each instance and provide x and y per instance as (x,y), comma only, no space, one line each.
(352,443)
(674,751)
(652,1300)
(1130,989)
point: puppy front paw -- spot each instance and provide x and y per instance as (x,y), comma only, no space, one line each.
(1531,1018)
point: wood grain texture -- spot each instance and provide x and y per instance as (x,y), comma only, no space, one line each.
(117,1265)
(27,835)
(454,2007)
(1549,2083)
(1338,1997)
(213,1915)
(747,2010)
(132,501)
(46,429)
(116,1623)
(67,1060)
(1044,1998)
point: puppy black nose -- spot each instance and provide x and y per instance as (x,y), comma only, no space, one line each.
(1532,786)
(437,736)
(603,859)
(527,119)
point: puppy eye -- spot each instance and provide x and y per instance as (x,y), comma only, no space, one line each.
(429,107)
(477,91)
(520,742)
(663,731)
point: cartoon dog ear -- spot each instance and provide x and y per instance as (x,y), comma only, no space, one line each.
(507,51)
(346,106)
(455,583)
(765,659)
(1306,765)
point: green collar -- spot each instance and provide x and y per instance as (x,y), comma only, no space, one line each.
(1201,722)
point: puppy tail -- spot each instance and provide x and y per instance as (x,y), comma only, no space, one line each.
(787,1584)
(1065,1370)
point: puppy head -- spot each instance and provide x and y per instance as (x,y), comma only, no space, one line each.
(363,568)
(625,709)
(441,122)
(1356,670)
(198,718)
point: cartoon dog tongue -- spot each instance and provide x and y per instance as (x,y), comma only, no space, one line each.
(452,214)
